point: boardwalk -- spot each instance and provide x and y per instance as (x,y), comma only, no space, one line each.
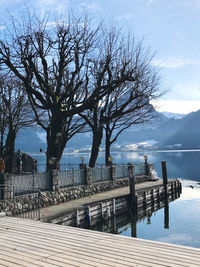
(33,243)
(58,210)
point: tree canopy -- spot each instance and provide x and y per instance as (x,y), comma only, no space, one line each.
(72,67)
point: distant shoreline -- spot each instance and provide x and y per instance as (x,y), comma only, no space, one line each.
(125,151)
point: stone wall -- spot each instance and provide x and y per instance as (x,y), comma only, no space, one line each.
(30,202)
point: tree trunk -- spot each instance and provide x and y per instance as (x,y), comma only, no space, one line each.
(96,142)
(107,154)
(1,143)
(107,148)
(56,143)
(10,148)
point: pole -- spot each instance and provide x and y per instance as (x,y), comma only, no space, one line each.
(132,187)
(164,172)
(165,180)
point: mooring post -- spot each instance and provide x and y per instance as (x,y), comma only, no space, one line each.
(164,172)
(132,187)
(165,180)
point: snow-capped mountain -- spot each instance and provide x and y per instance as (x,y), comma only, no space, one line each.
(165,131)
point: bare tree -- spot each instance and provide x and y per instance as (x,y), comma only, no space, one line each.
(16,113)
(3,125)
(65,70)
(129,103)
(141,114)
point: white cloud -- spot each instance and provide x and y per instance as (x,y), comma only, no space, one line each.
(127,16)
(171,62)
(52,6)
(42,136)
(184,90)
(92,5)
(176,106)
(2,28)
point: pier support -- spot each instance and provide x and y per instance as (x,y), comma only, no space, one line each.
(165,179)
(133,197)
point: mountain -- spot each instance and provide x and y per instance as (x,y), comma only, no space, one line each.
(187,133)
(171,115)
(165,131)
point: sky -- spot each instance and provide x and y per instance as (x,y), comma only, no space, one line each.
(169,27)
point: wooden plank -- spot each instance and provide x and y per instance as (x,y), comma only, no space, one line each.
(55,245)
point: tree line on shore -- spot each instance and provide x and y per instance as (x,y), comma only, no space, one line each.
(72,76)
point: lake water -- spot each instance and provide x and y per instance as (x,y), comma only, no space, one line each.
(180,164)
(184,213)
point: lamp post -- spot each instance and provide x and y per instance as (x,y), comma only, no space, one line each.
(110,160)
(82,159)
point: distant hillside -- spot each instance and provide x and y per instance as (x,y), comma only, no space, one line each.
(163,132)
(187,133)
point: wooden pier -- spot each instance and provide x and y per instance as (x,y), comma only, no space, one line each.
(32,243)
(149,195)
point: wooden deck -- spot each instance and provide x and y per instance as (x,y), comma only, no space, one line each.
(33,243)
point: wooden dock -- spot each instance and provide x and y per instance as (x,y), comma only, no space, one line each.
(74,212)
(32,243)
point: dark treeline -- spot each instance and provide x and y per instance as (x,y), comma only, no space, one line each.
(71,77)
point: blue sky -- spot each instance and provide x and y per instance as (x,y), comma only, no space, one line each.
(169,27)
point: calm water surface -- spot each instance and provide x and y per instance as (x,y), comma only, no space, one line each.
(184,213)
(184,220)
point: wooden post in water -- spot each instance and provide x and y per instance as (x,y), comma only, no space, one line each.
(164,172)
(132,187)
(165,179)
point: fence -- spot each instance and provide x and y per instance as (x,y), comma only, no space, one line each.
(25,183)
(121,171)
(47,181)
(71,178)
(20,206)
(100,174)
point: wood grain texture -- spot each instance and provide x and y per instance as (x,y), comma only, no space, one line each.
(32,243)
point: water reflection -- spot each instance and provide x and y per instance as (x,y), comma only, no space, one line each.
(176,222)
(181,220)
(166,215)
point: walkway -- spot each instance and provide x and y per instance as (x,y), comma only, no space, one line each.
(60,209)
(32,243)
